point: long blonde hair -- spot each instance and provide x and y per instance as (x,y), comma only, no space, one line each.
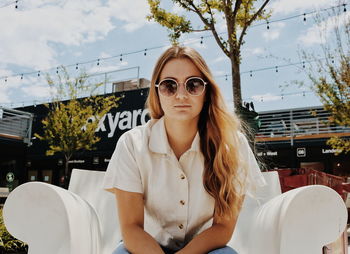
(218,130)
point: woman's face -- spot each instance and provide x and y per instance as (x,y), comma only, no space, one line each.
(182,106)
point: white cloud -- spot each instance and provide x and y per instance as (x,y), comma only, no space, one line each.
(29,35)
(289,6)
(133,13)
(107,68)
(220,59)
(28,39)
(254,51)
(319,33)
(266,97)
(274,32)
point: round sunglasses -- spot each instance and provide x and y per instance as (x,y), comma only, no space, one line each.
(194,86)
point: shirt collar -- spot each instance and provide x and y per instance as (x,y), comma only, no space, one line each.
(158,142)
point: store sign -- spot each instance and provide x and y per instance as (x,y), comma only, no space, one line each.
(301,152)
(76,161)
(268,153)
(327,151)
(124,120)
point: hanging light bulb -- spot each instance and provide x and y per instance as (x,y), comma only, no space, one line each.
(303,93)
(303,64)
(282,96)
(267,25)
(21,76)
(38,73)
(16,6)
(262,99)
(145,53)
(201,39)
(98,62)
(121,57)
(76,66)
(304,17)
(5,79)
(276,68)
(344,7)
(251,73)
(57,70)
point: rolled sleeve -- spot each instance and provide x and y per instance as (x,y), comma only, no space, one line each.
(122,171)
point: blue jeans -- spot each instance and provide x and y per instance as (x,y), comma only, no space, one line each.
(225,250)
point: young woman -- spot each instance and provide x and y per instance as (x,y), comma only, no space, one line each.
(180,179)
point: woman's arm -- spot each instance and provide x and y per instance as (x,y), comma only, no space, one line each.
(217,236)
(131,217)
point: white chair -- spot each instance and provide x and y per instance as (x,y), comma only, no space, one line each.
(83,220)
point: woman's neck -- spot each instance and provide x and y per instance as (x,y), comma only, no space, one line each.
(180,134)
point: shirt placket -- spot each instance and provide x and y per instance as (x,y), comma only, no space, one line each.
(181,200)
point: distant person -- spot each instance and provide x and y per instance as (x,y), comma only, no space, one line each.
(181,178)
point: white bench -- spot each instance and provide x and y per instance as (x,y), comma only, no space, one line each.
(83,219)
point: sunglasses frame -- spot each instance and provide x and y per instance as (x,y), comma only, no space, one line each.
(185,84)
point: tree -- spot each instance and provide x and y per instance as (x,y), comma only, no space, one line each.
(239,16)
(67,128)
(330,75)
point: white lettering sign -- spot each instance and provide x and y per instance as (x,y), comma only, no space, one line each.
(268,153)
(123,120)
(325,151)
(76,161)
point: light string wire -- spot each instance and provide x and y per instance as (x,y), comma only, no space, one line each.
(145,50)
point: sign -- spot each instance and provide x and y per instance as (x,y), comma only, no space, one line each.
(301,152)
(326,151)
(10,177)
(268,153)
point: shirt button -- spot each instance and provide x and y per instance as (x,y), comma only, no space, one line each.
(181,226)
(182,202)
(182,176)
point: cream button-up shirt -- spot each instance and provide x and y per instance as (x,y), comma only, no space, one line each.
(177,207)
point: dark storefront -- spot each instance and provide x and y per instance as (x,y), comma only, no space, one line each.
(31,163)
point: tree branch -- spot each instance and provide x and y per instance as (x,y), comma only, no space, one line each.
(250,21)
(211,26)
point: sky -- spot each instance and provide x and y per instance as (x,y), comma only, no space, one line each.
(38,36)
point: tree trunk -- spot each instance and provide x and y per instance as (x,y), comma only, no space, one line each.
(236,82)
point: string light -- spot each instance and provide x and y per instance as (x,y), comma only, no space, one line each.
(21,76)
(226,77)
(276,68)
(5,79)
(16,6)
(304,17)
(202,37)
(57,70)
(76,67)
(145,53)
(304,64)
(38,73)
(98,62)
(251,73)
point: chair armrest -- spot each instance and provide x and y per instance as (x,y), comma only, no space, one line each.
(51,219)
(302,220)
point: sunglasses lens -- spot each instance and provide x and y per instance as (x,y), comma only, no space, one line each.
(168,87)
(195,86)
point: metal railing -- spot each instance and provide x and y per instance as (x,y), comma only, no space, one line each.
(286,125)
(15,124)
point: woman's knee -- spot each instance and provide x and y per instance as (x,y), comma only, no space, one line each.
(224,250)
(121,249)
